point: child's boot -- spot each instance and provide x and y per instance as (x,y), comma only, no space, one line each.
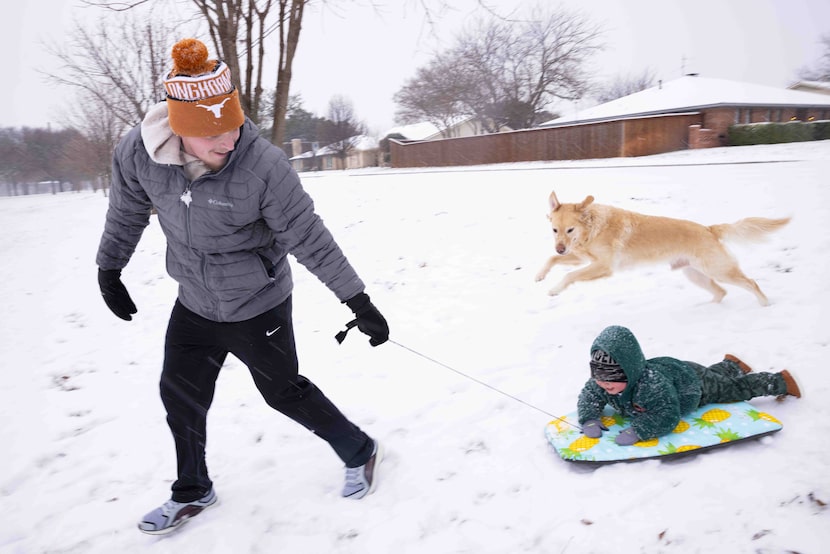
(792,385)
(737,361)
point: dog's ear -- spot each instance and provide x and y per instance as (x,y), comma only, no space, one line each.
(554,202)
(588,200)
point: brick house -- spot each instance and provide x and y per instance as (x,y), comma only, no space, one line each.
(305,156)
(719,103)
(689,112)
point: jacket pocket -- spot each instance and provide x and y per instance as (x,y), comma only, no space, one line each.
(235,274)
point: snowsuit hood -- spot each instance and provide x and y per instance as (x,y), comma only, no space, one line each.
(623,346)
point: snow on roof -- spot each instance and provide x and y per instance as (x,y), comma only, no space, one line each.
(823,86)
(359,143)
(425,130)
(415,131)
(364,142)
(691,93)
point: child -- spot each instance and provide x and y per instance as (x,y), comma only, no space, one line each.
(657,392)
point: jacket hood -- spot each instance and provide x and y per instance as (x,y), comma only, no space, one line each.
(623,346)
(162,145)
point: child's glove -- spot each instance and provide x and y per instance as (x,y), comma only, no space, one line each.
(593,428)
(627,437)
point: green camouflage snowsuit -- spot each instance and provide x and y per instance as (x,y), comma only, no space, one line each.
(662,390)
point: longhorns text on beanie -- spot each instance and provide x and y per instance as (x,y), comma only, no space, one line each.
(201,98)
(605,368)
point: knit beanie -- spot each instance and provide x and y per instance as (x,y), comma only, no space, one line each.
(201,98)
(605,368)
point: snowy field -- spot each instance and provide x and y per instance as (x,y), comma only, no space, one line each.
(449,257)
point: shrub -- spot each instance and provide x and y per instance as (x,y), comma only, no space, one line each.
(774,133)
(821,129)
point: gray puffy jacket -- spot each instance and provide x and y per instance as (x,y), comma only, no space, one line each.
(227,249)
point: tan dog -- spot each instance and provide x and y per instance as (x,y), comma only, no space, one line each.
(608,238)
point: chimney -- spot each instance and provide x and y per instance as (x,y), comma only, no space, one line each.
(296,147)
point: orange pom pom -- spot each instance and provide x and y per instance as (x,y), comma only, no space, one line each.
(190,58)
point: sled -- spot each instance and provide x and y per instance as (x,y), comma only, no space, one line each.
(710,426)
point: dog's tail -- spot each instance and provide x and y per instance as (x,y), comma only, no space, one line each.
(751,229)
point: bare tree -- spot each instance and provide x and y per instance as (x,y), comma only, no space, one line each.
(485,55)
(102,130)
(232,21)
(506,72)
(117,64)
(240,30)
(821,70)
(433,95)
(12,166)
(34,159)
(623,85)
(300,123)
(88,161)
(290,23)
(341,127)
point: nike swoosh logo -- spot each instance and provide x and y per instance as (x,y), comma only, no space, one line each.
(269,333)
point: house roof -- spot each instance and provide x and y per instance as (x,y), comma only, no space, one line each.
(415,131)
(692,93)
(425,130)
(359,143)
(364,142)
(819,86)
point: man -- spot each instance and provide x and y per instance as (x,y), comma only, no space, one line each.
(232,209)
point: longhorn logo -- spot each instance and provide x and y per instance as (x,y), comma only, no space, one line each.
(215,109)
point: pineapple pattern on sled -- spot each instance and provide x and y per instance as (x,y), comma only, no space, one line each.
(710,426)
(654,395)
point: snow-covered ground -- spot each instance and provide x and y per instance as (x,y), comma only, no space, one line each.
(449,257)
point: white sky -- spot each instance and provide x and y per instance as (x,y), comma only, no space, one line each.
(366,53)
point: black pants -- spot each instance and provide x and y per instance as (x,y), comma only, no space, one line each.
(196,348)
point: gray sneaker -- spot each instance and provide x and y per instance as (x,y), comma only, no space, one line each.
(361,480)
(171,515)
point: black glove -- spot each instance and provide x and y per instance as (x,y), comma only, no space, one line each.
(368,318)
(593,428)
(115,293)
(627,437)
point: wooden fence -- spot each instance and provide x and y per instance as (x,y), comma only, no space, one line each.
(609,139)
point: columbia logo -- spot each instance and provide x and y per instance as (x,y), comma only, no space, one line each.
(215,202)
